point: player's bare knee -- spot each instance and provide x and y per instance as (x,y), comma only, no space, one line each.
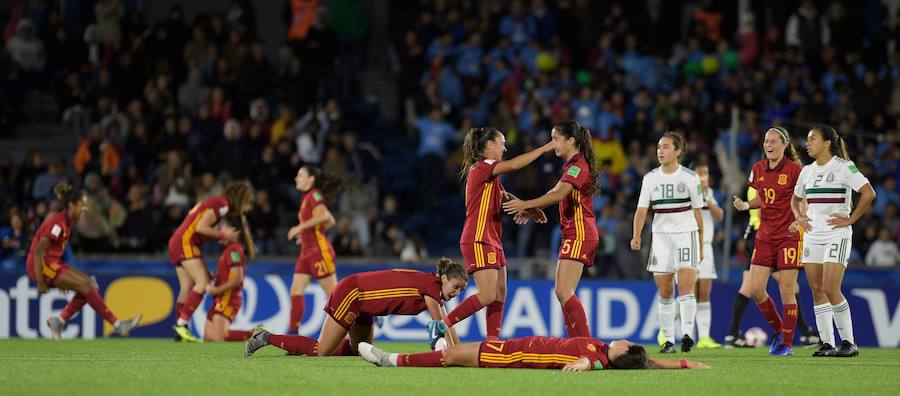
(563,295)
(487,296)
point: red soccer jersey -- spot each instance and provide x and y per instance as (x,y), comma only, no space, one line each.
(394,292)
(232,256)
(542,352)
(775,188)
(57,229)
(576,211)
(186,232)
(484,197)
(312,239)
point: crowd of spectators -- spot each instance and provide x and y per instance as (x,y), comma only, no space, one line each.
(166,111)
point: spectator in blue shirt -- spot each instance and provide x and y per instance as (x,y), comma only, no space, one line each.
(13,243)
(434,133)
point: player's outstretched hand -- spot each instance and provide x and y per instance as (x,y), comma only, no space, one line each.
(521,218)
(582,364)
(514,206)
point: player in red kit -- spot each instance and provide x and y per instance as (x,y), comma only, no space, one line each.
(776,247)
(359,298)
(481,241)
(575,194)
(46,268)
(316,253)
(535,352)
(228,283)
(199,226)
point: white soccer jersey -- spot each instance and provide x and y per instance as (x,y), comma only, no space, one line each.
(672,196)
(708,225)
(827,190)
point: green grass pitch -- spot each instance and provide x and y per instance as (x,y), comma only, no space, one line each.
(117,366)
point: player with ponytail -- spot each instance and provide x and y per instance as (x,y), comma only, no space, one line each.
(228,283)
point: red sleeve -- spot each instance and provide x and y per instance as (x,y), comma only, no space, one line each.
(484,170)
(234,255)
(754,174)
(219,205)
(576,174)
(54,231)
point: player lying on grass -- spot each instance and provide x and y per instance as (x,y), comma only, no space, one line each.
(228,283)
(359,298)
(536,352)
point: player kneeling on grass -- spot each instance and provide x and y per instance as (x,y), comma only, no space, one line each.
(359,298)
(536,352)
(229,281)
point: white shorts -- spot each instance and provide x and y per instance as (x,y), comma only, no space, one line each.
(708,264)
(670,252)
(831,252)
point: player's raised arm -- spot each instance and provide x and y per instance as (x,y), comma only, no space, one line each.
(522,160)
(554,196)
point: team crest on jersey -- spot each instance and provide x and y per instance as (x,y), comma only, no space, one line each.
(350,317)
(592,348)
(492,258)
(830,177)
(782,179)
(682,187)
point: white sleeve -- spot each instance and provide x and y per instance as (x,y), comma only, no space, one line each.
(855,178)
(696,192)
(750,177)
(644,198)
(800,187)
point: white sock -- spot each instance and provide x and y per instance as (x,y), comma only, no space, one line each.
(687,305)
(116,325)
(181,322)
(667,318)
(393,359)
(704,314)
(843,321)
(824,320)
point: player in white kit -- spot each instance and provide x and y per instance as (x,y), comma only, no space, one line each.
(712,213)
(822,207)
(675,195)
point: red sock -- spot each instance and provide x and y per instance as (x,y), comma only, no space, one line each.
(296,314)
(790,324)
(770,313)
(96,302)
(238,335)
(576,321)
(425,359)
(193,301)
(344,349)
(179,305)
(72,307)
(295,344)
(494,319)
(465,309)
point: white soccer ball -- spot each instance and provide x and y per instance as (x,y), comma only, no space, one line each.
(440,344)
(756,337)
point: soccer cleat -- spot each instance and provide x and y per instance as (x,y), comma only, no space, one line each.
(439,344)
(185,333)
(374,355)
(735,342)
(259,339)
(436,329)
(660,338)
(826,350)
(809,339)
(668,347)
(847,350)
(56,327)
(686,343)
(125,327)
(776,343)
(708,343)
(782,350)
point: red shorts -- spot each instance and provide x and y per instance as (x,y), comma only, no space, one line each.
(343,306)
(778,255)
(525,352)
(51,272)
(479,256)
(580,251)
(180,250)
(226,305)
(315,263)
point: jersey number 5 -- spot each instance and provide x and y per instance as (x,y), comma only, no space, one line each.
(566,246)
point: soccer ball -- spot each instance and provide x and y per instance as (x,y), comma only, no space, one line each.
(440,344)
(755,337)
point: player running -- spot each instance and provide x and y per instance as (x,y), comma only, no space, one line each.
(827,221)
(712,213)
(229,281)
(359,298)
(535,352)
(574,192)
(184,249)
(480,243)
(675,195)
(46,268)
(316,253)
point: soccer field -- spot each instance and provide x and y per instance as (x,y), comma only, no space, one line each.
(116,366)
